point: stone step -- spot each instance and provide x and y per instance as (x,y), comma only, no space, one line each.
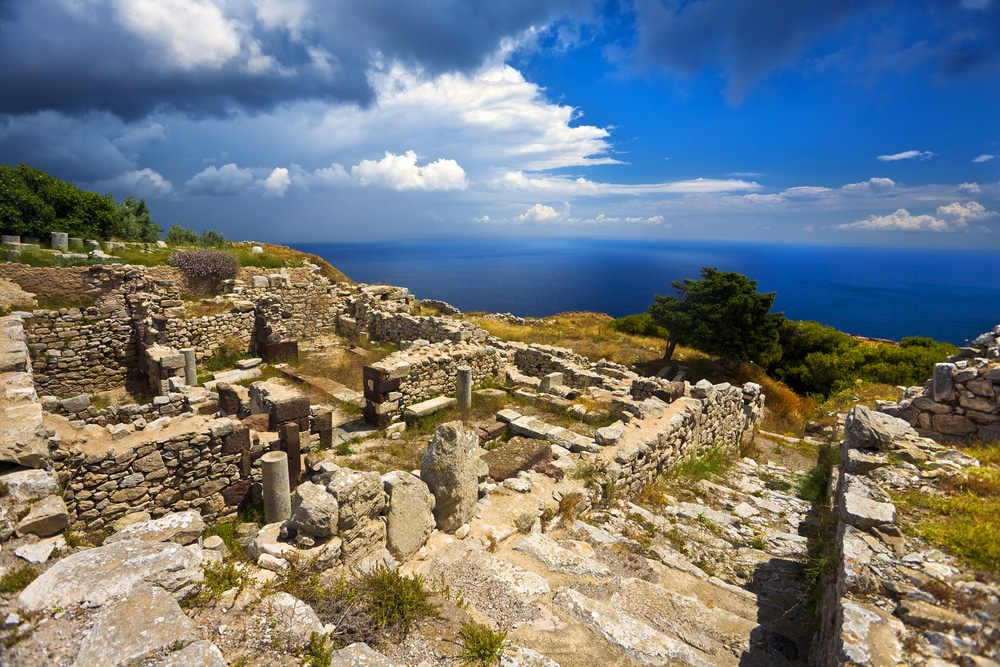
(635,638)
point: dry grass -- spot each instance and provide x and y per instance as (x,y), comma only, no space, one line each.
(785,411)
(962,519)
(589,334)
(203,306)
(295,258)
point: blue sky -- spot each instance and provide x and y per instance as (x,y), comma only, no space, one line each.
(817,121)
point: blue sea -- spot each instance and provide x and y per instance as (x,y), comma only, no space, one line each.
(949,295)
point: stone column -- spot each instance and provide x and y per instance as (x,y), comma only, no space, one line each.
(190,367)
(277,495)
(60,241)
(463,382)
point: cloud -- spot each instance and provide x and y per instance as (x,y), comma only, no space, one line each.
(970,188)
(950,218)
(142,183)
(277,182)
(517,180)
(133,57)
(226,181)
(984,158)
(540,213)
(872,185)
(400,172)
(962,215)
(906,155)
(745,40)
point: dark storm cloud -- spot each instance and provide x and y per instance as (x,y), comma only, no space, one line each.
(76,57)
(746,39)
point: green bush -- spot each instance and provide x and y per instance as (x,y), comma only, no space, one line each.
(17,580)
(481,645)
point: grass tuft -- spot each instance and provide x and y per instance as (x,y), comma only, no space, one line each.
(17,580)
(482,645)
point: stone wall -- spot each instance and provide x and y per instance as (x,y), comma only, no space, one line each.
(23,439)
(209,470)
(429,369)
(890,599)
(962,401)
(540,360)
(399,327)
(68,283)
(719,415)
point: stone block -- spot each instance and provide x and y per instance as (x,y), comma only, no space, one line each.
(47,517)
(410,517)
(429,407)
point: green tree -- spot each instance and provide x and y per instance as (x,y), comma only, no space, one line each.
(33,203)
(178,235)
(136,223)
(721,314)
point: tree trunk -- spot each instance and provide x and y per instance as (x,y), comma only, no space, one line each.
(671,344)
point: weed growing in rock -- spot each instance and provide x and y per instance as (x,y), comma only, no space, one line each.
(481,645)
(394,601)
(319,651)
(344,449)
(219,578)
(524,521)
(814,486)
(17,580)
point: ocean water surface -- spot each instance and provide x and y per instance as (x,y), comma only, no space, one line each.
(950,295)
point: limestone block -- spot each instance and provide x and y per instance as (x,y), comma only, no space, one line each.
(25,485)
(868,636)
(865,429)
(201,653)
(97,576)
(180,527)
(410,519)
(451,467)
(609,435)
(75,404)
(956,425)
(292,617)
(314,511)
(942,384)
(361,500)
(358,655)
(557,558)
(148,620)
(47,517)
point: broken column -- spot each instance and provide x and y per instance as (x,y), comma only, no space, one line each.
(463,387)
(190,367)
(381,396)
(277,495)
(60,241)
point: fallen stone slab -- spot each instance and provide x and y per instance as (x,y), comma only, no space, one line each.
(25,485)
(292,616)
(638,640)
(559,559)
(359,655)
(574,442)
(97,576)
(180,527)
(429,407)
(199,654)
(518,656)
(531,427)
(47,517)
(868,636)
(147,620)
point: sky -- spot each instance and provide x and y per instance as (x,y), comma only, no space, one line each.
(865,122)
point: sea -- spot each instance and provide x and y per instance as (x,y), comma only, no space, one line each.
(888,293)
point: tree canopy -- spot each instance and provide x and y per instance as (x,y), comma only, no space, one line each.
(721,314)
(33,203)
(136,224)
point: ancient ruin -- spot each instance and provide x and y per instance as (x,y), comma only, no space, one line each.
(627,587)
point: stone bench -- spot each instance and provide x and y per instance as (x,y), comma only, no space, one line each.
(428,407)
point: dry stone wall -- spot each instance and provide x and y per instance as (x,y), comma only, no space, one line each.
(399,327)
(962,400)
(712,416)
(209,470)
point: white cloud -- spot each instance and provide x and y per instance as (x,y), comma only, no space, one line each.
(288,14)
(983,158)
(194,33)
(971,212)
(970,188)
(518,180)
(872,185)
(951,217)
(901,220)
(540,213)
(400,172)
(226,181)
(492,119)
(142,183)
(277,182)
(907,155)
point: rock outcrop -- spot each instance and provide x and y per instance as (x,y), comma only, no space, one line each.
(451,468)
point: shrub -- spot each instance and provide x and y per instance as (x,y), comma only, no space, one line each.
(18,579)
(481,645)
(178,235)
(213,264)
(394,601)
